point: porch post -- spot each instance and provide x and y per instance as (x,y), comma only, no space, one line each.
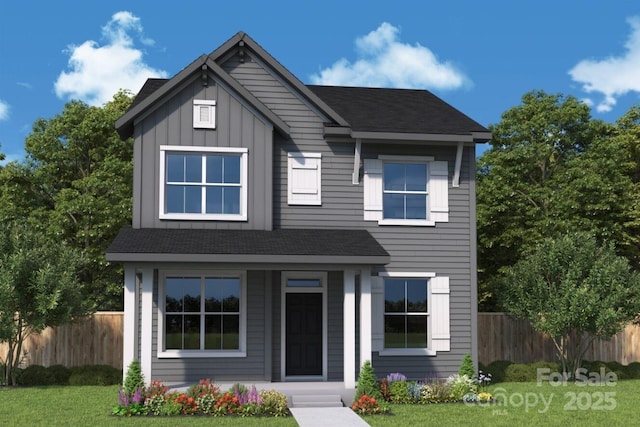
(365,315)
(130,321)
(349,333)
(146,316)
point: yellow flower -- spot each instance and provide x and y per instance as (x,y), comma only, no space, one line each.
(485,397)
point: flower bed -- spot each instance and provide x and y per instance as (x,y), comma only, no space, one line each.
(204,398)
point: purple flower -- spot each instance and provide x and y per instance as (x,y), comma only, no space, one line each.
(396,376)
(254,396)
(123,398)
(138,396)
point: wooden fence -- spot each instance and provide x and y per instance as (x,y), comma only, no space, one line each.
(502,337)
(94,341)
(98,341)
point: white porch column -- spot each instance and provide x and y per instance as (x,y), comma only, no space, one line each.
(146,316)
(130,321)
(365,315)
(349,328)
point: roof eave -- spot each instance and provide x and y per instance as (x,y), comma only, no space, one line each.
(248,258)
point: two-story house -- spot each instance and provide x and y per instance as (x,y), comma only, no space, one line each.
(288,232)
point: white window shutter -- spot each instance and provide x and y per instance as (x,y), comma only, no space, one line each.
(377,313)
(304,179)
(440,319)
(372,189)
(204,114)
(439,192)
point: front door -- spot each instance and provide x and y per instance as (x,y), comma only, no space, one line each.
(303,334)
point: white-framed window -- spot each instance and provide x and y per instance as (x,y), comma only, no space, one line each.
(203,183)
(204,114)
(202,315)
(410,313)
(406,190)
(304,179)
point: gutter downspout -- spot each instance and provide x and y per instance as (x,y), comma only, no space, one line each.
(456,172)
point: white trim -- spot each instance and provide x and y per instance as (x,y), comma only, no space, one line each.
(322,276)
(355,176)
(242,339)
(412,274)
(311,191)
(349,329)
(146,326)
(414,222)
(130,329)
(244,182)
(365,315)
(406,159)
(458,165)
(210,122)
(406,352)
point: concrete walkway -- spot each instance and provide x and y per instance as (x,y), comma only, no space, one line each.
(323,417)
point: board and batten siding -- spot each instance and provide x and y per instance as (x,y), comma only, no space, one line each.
(237,125)
(254,367)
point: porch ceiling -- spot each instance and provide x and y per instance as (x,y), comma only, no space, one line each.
(310,246)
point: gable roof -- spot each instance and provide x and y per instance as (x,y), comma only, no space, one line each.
(353,112)
(310,246)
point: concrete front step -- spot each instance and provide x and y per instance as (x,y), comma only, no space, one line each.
(316,401)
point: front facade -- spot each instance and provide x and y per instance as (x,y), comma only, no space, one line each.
(285,232)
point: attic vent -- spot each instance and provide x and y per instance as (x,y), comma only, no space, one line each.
(204,114)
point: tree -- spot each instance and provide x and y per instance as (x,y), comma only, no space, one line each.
(553,169)
(39,287)
(76,186)
(575,290)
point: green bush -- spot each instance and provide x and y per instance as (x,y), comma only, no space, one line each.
(497,369)
(466,366)
(274,403)
(633,370)
(35,375)
(552,366)
(95,375)
(59,374)
(134,379)
(399,392)
(367,383)
(519,372)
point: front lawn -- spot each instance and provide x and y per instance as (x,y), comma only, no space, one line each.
(527,404)
(92,406)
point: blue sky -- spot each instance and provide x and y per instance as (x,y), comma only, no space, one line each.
(481,57)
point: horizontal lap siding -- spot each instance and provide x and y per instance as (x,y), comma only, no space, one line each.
(250,368)
(445,249)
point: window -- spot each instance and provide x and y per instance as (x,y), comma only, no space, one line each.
(304,179)
(410,314)
(405,313)
(201,315)
(406,190)
(204,114)
(203,183)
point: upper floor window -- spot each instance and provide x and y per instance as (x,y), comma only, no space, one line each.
(406,190)
(204,114)
(203,183)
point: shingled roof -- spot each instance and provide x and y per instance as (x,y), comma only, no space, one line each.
(299,245)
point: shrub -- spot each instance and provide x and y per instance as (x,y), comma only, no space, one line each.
(384,389)
(498,368)
(367,383)
(436,392)
(95,375)
(399,392)
(367,405)
(519,372)
(459,385)
(35,375)
(134,380)
(274,403)
(227,404)
(466,366)
(633,370)
(59,374)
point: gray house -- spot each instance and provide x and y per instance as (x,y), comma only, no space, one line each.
(288,232)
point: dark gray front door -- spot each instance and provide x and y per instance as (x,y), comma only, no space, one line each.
(304,334)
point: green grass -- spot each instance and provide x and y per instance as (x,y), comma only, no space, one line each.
(91,406)
(82,406)
(570,405)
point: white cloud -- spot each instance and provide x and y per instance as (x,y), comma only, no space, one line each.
(4,110)
(613,76)
(98,72)
(384,61)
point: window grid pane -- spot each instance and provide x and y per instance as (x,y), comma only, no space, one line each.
(405,313)
(405,191)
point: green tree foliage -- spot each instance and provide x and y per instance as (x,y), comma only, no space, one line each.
(39,287)
(367,383)
(575,290)
(134,378)
(76,185)
(466,366)
(553,169)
